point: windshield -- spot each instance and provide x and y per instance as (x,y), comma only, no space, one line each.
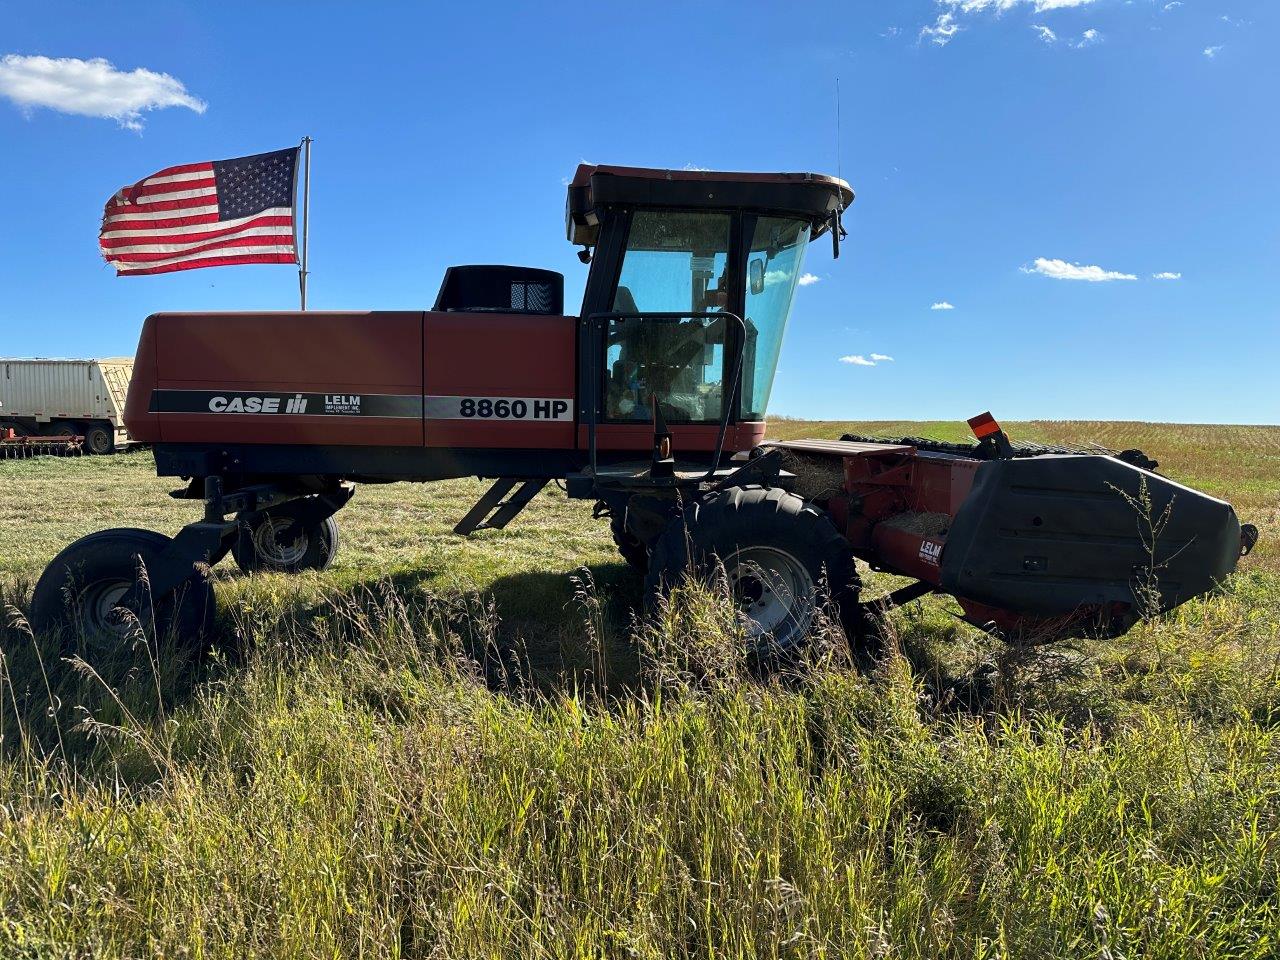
(777,252)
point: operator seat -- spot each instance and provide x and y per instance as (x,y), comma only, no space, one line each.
(624,302)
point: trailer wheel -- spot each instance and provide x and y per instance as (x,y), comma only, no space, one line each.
(60,429)
(776,549)
(99,440)
(258,547)
(631,547)
(84,592)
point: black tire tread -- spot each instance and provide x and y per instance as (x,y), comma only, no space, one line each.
(316,557)
(90,431)
(48,603)
(669,559)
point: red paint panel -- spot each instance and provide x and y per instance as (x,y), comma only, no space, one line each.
(317,431)
(142,425)
(349,353)
(700,437)
(500,355)
(292,349)
(939,484)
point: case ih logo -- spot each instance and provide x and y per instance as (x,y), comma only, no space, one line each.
(251,404)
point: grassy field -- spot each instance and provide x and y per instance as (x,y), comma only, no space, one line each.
(449,747)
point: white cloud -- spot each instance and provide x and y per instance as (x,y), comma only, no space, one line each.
(91,88)
(1172,5)
(943,29)
(695,167)
(1045,34)
(1062,270)
(1001,6)
(808,279)
(1088,39)
(947,24)
(1167,275)
(1212,52)
(942,305)
(858,360)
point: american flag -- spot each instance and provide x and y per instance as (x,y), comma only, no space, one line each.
(211,214)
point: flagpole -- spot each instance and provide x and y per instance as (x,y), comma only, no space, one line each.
(306,217)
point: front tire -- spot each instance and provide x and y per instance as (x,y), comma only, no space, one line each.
(776,549)
(95,591)
(258,548)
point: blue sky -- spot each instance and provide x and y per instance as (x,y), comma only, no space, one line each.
(998,148)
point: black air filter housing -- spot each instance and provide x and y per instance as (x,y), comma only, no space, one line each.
(488,288)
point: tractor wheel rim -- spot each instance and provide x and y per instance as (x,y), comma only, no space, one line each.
(774,592)
(99,442)
(101,603)
(270,549)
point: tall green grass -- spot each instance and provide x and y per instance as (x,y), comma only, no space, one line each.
(379,776)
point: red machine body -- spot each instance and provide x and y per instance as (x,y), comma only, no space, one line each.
(403,368)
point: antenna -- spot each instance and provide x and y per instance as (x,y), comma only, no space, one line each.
(839,171)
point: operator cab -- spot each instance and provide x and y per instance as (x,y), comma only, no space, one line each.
(692,278)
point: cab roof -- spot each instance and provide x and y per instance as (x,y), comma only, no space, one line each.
(812,196)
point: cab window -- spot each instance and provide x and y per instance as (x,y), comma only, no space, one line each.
(773,266)
(675,263)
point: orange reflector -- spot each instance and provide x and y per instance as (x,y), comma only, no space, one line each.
(984,425)
(664,449)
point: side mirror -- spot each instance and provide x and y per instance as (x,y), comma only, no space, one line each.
(755,274)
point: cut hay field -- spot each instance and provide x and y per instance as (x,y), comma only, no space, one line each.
(447,747)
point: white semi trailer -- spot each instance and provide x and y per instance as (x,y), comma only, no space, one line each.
(65,398)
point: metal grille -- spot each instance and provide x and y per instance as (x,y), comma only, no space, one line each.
(533,297)
(488,288)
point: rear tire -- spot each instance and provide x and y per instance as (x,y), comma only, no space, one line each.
(99,440)
(60,429)
(257,549)
(776,549)
(82,591)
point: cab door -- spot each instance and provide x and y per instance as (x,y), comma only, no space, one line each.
(662,304)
